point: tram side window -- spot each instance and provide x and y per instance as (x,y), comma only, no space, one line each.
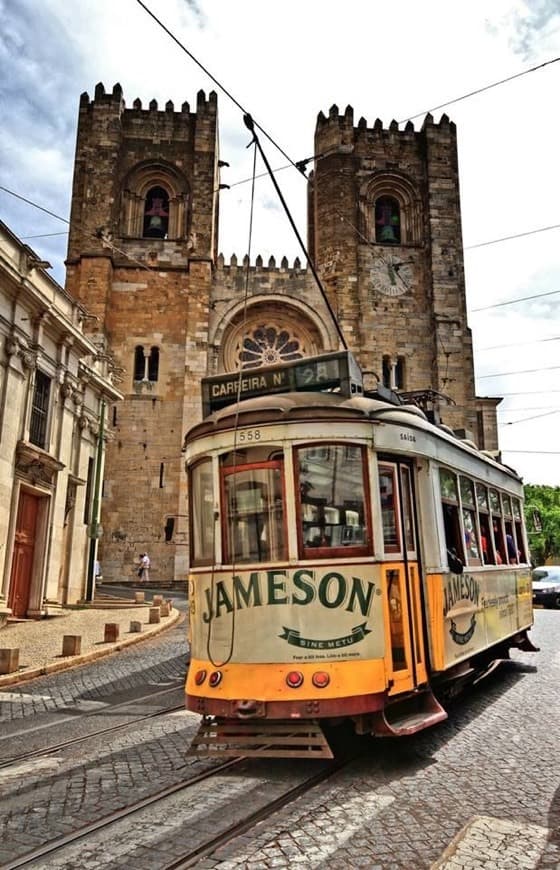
(518,526)
(253,528)
(332,500)
(451,521)
(484,521)
(498,536)
(388,497)
(470,524)
(202,515)
(513,554)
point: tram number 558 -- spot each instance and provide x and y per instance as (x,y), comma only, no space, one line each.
(249,435)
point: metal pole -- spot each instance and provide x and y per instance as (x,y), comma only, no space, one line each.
(95,509)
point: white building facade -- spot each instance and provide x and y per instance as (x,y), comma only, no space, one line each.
(56,391)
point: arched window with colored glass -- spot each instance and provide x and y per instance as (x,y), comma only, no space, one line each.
(387,220)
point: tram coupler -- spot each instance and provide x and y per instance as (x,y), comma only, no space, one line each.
(248,709)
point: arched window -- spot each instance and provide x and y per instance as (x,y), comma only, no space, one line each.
(146,368)
(387,220)
(156,213)
(139,363)
(393,373)
(153,364)
(391,209)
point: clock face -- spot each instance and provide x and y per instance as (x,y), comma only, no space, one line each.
(392,274)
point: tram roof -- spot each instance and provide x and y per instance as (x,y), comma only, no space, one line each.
(317,406)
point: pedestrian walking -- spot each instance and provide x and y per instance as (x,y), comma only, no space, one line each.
(144,569)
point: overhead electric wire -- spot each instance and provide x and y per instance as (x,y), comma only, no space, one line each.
(515,236)
(534,417)
(538,452)
(105,241)
(44,235)
(519,372)
(514,301)
(29,202)
(214,79)
(481,90)
(112,245)
(516,344)
(529,393)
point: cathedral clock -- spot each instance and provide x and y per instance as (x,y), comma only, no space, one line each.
(392,274)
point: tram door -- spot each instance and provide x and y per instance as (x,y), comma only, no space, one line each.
(406,651)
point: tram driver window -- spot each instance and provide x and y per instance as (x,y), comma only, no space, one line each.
(254,512)
(202,519)
(332,500)
(388,497)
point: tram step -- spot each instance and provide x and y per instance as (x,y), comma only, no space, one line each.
(227,738)
(408,715)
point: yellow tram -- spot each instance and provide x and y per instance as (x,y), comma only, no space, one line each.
(349,560)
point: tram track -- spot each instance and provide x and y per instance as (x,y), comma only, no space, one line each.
(206,850)
(109,710)
(54,850)
(57,845)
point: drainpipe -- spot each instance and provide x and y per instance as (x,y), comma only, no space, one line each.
(95,529)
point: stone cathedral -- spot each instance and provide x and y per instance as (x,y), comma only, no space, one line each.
(384,233)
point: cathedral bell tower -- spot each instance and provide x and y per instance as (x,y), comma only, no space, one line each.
(385,229)
(142,244)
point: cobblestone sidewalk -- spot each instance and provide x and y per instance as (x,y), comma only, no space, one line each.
(40,641)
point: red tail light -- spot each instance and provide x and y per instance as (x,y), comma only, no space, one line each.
(215,678)
(199,677)
(294,679)
(320,679)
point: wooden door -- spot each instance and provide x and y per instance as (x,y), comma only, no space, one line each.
(24,550)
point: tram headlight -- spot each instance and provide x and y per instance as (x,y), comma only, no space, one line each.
(215,678)
(294,679)
(320,679)
(199,677)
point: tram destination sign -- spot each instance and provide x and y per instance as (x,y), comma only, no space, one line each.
(337,371)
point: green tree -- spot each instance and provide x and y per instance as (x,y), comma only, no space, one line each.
(542,515)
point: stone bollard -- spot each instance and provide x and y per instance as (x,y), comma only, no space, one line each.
(154,615)
(157,600)
(135,626)
(139,597)
(9,661)
(71,645)
(170,603)
(111,632)
(164,610)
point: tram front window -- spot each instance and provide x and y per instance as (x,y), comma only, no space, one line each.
(254,523)
(332,500)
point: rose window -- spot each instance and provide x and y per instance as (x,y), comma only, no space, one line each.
(268,345)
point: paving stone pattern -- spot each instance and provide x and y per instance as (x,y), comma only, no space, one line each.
(479,792)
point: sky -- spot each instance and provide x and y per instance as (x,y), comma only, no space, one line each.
(284,62)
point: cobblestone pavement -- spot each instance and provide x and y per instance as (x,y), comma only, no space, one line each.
(482,790)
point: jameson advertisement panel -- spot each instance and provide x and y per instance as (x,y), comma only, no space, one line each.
(283,615)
